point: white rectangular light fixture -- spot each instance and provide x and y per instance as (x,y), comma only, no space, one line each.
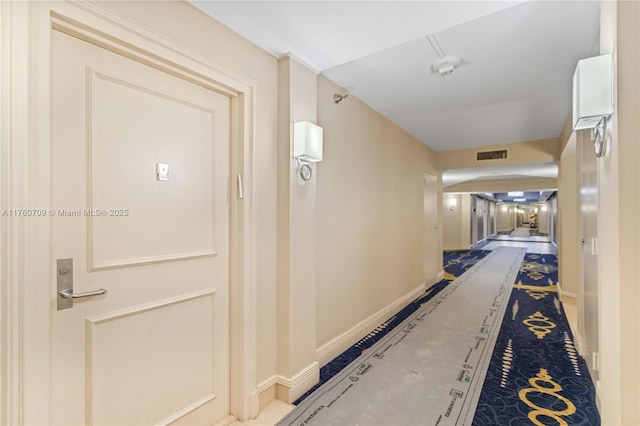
(519,200)
(592,91)
(453,203)
(515,194)
(307,141)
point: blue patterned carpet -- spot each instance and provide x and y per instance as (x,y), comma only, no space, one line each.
(535,375)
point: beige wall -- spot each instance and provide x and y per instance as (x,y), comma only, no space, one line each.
(505,221)
(297,224)
(618,224)
(569,246)
(456,222)
(370,213)
(543,218)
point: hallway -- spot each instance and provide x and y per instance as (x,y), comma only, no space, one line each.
(533,243)
(230,271)
(456,264)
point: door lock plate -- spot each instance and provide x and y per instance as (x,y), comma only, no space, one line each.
(64,274)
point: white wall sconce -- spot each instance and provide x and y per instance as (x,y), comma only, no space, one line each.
(593,97)
(307,147)
(453,203)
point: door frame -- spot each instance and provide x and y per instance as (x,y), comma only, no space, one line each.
(432,267)
(26,300)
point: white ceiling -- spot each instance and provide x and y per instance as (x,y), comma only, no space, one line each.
(325,34)
(515,84)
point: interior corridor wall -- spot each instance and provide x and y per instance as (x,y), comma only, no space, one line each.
(370,214)
(492,220)
(504,218)
(568,232)
(456,222)
(543,218)
(618,224)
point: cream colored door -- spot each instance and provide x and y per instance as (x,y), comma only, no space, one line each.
(155,348)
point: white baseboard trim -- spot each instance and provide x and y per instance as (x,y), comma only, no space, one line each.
(266,392)
(577,342)
(335,347)
(456,248)
(561,292)
(289,389)
(439,278)
(267,384)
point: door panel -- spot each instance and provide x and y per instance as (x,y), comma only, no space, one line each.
(184,143)
(154,348)
(474,221)
(480,220)
(132,352)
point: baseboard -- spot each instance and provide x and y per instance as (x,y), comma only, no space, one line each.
(456,248)
(225,421)
(288,389)
(335,347)
(439,278)
(577,342)
(267,392)
(564,293)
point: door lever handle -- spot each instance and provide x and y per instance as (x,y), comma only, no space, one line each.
(64,281)
(69,294)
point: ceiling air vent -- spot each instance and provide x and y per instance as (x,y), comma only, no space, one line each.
(491,155)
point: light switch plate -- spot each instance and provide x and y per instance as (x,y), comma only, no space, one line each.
(162,171)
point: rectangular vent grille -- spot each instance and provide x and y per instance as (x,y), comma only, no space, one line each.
(491,155)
